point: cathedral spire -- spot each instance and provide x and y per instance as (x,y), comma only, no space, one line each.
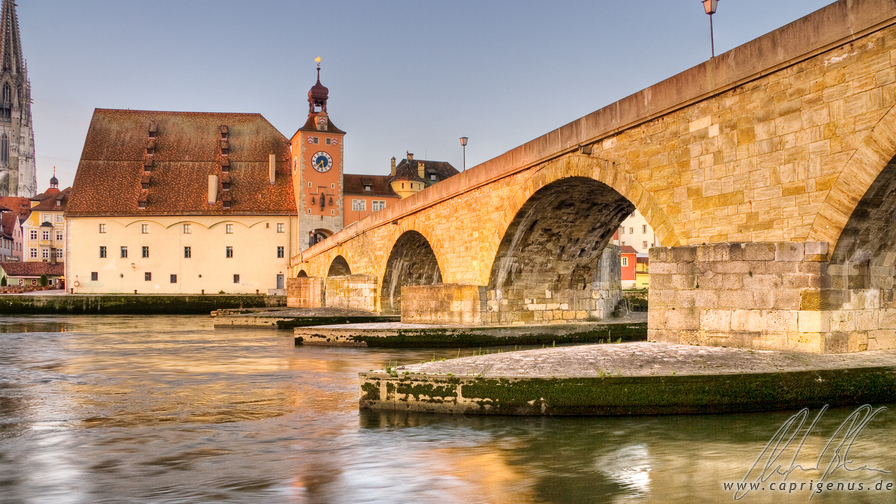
(10,44)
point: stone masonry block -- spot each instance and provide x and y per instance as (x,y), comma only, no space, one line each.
(887,319)
(883,339)
(747,320)
(684,254)
(781,321)
(814,322)
(717,252)
(815,251)
(715,320)
(788,251)
(759,251)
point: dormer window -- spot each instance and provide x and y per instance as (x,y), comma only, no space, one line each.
(225,186)
(366,187)
(432,176)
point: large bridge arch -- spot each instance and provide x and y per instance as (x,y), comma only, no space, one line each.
(586,167)
(339,267)
(411,261)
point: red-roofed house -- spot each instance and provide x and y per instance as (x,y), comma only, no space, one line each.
(44,229)
(10,235)
(628,260)
(27,274)
(181,202)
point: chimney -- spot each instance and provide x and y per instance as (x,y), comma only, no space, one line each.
(410,156)
(212,189)
(393,166)
(420,170)
(272,167)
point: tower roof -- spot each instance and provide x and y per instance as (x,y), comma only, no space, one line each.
(317,96)
(10,44)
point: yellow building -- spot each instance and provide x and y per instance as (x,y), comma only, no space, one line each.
(43,232)
(180,202)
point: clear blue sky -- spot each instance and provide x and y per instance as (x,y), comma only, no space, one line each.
(403,75)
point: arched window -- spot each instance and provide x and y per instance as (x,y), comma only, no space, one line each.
(4,149)
(6,102)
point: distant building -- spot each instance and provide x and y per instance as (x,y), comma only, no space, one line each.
(10,235)
(634,232)
(27,274)
(628,258)
(369,193)
(18,176)
(181,202)
(44,229)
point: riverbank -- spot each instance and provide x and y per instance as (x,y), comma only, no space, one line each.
(639,378)
(131,304)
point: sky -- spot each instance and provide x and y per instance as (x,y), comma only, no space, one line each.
(404,76)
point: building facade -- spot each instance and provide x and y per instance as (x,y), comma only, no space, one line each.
(43,231)
(18,175)
(181,202)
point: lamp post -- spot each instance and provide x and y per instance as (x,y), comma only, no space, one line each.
(710,7)
(463,143)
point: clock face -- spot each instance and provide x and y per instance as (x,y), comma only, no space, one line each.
(321,161)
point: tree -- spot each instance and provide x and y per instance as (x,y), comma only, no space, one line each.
(43,280)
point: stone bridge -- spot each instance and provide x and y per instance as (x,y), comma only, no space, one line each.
(766,173)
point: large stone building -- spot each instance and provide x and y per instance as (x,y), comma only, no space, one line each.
(181,202)
(18,175)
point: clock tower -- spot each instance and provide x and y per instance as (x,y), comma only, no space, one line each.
(317,168)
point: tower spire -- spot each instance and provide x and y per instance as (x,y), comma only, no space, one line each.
(10,43)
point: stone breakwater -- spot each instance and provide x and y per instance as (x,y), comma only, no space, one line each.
(632,379)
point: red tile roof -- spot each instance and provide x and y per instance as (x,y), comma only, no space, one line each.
(409,170)
(379,185)
(33,269)
(8,222)
(48,200)
(19,204)
(627,249)
(187,148)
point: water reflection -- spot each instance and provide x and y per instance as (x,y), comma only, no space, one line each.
(165,409)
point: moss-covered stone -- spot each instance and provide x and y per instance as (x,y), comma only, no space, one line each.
(131,304)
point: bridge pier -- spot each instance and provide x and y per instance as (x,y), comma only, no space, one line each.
(765,296)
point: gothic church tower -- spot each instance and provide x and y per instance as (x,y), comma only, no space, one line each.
(18,175)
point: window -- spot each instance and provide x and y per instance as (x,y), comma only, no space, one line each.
(102,251)
(236,278)
(145,252)
(102,228)
(228,253)
(644,244)
(45,235)
(33,234)
(228,228)
(280,253)
(33,253)
(173,278)
(59,253)
(281,228)
(644,228)
(378,205)
(622,230)
(313,140)
(359,205)
(94,276)
(624,262)
(147,276)
(187,252)
(58,216)
(59,236)
(432,176)
(186,229)
(367,188)
(144,228)
(631,230)
(124,252)
(45,253)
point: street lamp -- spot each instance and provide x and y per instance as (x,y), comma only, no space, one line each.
(463,143)
(710,7)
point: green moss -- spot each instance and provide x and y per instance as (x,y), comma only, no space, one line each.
(130,304)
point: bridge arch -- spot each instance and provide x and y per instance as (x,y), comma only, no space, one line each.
(412,261)
(863,169)
(606,173)
(339,267)
(549,257)
(302,274)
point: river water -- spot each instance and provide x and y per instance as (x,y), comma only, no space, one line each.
(168,409)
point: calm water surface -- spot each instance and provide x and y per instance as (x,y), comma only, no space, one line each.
(167,409)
